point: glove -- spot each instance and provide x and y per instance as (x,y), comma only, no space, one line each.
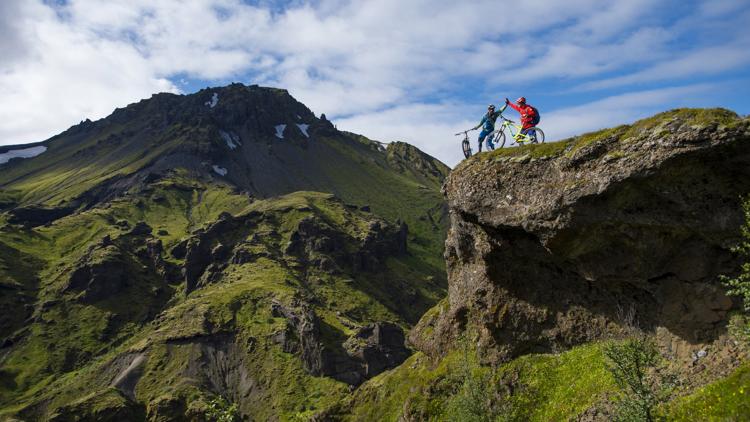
(507,101)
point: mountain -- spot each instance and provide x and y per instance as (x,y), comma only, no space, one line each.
(227,255)
(220,253)
(573,249)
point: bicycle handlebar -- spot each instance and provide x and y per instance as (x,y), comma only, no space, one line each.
(464,132)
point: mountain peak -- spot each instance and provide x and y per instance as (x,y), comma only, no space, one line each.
(258,139)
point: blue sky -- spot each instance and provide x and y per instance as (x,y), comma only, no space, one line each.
(414,71)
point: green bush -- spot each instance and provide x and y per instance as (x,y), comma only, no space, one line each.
(220,410)
(472,401)
(740,285)
(635,365)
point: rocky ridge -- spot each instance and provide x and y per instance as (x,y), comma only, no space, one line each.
(562,244)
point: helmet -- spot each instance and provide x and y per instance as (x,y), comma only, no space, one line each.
(491,107)
(521,100)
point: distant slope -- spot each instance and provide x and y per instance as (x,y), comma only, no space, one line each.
(234,142)
(178,258)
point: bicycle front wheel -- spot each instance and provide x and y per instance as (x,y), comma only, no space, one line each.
(538,137)
(466,148)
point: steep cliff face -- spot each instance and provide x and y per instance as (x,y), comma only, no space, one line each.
(556,245)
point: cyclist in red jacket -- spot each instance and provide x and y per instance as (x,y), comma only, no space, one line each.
(529,116)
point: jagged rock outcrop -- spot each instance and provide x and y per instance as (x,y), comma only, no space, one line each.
(101,273)
(34,216)
(315,243)
(572,242)
(373,349)
(378,346)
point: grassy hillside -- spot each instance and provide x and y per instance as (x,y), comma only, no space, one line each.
(72,346)
(177,260)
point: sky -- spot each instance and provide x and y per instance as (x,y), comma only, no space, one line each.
(392,70)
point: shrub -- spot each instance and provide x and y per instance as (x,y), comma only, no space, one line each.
(220,410)
(740,285)
(635,365)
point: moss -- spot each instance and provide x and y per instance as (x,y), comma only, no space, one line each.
(545,387)
(550,149)
(691,116)
(725,399)
(568,147)
(66,352)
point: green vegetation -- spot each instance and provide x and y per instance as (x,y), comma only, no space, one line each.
(529,388)
(72,344)
(740,285)
(727,399)
(220,348)
(691,116)
(220,410)
(635,367)
(568,147)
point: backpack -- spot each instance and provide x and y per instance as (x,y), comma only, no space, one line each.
(537,116)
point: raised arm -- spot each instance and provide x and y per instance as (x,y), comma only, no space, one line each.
(515,107)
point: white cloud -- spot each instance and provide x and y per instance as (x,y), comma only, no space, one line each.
(706,61)
(431,127)
(623,109)
(67,76)
(361,62)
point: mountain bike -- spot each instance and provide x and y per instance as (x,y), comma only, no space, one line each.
(534,135)
(465,146)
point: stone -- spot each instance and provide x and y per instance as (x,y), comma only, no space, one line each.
(586,249)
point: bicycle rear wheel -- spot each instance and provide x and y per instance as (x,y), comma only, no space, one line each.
(466,148)
(538,138)
(500,139)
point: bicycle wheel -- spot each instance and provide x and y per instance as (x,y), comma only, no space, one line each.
(466,147)
(500,139)
(539,137)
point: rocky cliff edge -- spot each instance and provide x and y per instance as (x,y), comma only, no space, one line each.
(560,244)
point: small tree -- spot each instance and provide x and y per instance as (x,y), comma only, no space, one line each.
(740,285)
(635,367)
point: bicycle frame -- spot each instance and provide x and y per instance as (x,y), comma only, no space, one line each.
(516,134)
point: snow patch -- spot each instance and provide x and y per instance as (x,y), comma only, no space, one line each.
(303,127)
(214,100)
(232,139)
(221,171)
(280,131)
(21,153)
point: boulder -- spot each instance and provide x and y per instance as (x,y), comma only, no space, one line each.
(547,254)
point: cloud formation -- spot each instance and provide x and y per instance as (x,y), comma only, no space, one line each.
(415,71)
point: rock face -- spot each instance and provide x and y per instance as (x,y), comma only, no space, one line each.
(100,273)
(379,346)
(630,228)
(373,349)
